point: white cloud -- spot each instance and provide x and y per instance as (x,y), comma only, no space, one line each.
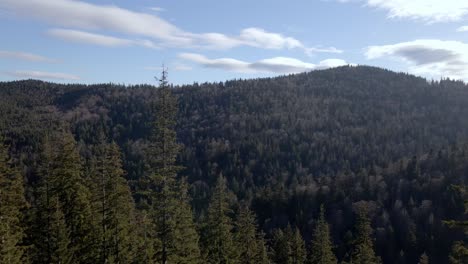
(281,65)
(87,16)
(258,37)
(24,56)
(43,75)
(429,11)
(462,29)
(428,57)
(97,39)
(181,67)
(157,9)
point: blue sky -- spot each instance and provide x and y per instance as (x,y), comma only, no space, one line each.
(95,41)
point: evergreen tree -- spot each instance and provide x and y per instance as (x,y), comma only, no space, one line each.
(50,235)
(297,250)
(175,235)
(186,239)
(363,252)
(59,243)
(321,251)
(114,207)
(424,259)
(459,253)
(246,236)
(218,242)
(64,197)
(280,248)
(262,252)
(12,202)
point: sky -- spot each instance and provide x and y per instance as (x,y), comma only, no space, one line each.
(127,42)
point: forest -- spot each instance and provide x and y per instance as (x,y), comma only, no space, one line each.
(353,164)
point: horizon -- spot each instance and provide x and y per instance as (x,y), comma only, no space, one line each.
(155,84)
(105,41)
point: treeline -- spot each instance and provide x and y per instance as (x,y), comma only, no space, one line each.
(82,214)
(379,150)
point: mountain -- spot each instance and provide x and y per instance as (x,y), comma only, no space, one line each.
(341,137)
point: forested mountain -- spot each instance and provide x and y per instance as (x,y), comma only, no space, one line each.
(381,152)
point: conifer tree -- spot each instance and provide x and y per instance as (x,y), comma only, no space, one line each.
(321,251)
(64,197)
(424,259)
(218,242)
(459,253)
(59,243)
(363,252)
(297,250)
(12,202)
(186,238)
(114,207)
(262,252)
(174,236)
(48,230)
(280,248)
(246,236)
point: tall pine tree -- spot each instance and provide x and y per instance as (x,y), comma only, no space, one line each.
(218,242)
(165,194)
(63,215)
(12,203)
(297,250)
(321,250)
(246,236)
(113,207)
(363,252)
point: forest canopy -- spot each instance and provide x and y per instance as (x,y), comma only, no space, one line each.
(368,159)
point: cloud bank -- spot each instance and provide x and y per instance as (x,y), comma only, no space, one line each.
(43,75)
(429,57)
(282,65)
(429,11)
(18,55)
(81,16)
(97,39)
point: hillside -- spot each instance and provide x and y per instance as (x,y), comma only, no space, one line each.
(342,137)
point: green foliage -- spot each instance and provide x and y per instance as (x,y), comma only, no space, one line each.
(363,252)
(63,214)
(186,238)
(321,250)
(250,244)
(424,259)
(459,254)
(12,203)
(280,250)
(113,208)
(218,243)
(285,144)
(288,246)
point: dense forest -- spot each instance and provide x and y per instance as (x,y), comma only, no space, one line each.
(345,165)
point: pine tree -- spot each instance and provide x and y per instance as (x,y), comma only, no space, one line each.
(218,241)
(280,248)
(297,250)
(459,253)
(186,239)
(59,236)
(363,252)
(12,202)
(321,251)
(175,238)
(246,236)
(63,197)
(424,259)
(262,252)
(113,207)
(48,230)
